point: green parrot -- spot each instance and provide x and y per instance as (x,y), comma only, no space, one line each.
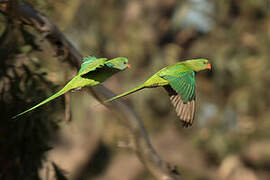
(93,71)
(179,82)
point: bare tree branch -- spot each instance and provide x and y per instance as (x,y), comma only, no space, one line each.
(64,50)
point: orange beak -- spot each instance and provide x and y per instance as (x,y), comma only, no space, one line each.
(128,65)
(209,66)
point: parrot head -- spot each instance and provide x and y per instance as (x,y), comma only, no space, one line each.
(119,63)
(198,64)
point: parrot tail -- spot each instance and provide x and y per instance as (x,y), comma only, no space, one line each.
(67,87)
(125,93)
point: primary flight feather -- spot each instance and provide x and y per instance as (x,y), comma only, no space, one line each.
(179,82)
(93,71)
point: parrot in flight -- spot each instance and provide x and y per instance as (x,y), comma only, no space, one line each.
(179,82)
(93,71)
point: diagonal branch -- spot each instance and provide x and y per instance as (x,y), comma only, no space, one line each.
(64,50)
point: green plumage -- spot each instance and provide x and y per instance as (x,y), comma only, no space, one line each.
(179,81)
(88,60)
(93,71)
(184,84)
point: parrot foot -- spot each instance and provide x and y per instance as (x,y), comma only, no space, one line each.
(76,89)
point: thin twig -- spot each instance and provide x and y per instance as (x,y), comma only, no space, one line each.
(67,108)
(64,49)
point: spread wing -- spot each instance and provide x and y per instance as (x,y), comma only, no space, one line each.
(91,64)
(181,90)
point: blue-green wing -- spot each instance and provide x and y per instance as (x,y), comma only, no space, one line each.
(91,64)
(183,84)
(181,89)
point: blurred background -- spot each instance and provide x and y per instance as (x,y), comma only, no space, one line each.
(230,137)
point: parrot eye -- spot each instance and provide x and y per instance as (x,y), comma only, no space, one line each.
(204,62)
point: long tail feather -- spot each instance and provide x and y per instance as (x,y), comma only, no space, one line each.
(67,87)
(125,93)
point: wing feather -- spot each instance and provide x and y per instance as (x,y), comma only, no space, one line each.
(87,67)
(181,90)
